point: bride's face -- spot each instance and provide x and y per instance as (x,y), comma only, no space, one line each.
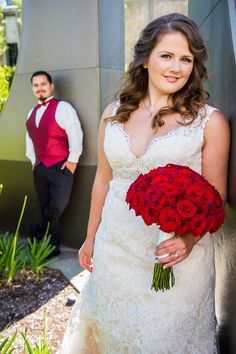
(170,64)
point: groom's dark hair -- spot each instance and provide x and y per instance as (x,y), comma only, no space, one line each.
(41,72)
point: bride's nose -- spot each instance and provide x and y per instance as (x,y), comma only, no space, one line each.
(175,65)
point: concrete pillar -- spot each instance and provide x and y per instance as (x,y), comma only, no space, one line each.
(217,21)
(81,43)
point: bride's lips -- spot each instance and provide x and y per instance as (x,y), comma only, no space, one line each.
(171,79)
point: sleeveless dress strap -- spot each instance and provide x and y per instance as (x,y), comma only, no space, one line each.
(117,105)
(208,115)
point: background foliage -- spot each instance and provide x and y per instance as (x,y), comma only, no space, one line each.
(6,72)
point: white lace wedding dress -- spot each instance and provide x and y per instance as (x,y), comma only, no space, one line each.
(117,311)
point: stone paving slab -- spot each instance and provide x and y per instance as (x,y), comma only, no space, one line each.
(69,265)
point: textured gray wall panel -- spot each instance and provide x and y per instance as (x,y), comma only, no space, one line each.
(110,81)
(81,42)
(59,34)
(214,19)
(111,33)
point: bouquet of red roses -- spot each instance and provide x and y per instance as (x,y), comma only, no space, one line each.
(179,200)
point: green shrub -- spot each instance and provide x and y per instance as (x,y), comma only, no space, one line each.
(7,343)
(37,348)
(11,261)
(11,257)
(15,258)
(37,254)
(6,76)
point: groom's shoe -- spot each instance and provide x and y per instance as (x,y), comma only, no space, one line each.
(37,231)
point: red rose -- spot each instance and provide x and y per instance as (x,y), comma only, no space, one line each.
(198,179)
(144,183)
(152,194)
(170,170)
(183,229)
(182,182)
(149,215)
(169,220)
(212,224)
(198,225)
(159,179)
(186,209)
(137,202)
(166,189)
(218,200)
(139,179)
(220,218)
(194,193)
(186,172)
(209,194)
(202,208)
(130,193)
(166,202)
(154,173)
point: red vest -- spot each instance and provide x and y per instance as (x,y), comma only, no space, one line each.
(49,139)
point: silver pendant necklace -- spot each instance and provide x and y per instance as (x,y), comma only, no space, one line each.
(150,113)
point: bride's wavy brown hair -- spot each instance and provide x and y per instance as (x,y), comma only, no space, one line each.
(191,97)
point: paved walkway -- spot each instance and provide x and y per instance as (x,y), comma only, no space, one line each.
(68,264)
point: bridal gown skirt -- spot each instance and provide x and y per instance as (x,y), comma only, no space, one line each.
(117,311)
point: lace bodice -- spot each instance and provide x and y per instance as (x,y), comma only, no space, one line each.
(182,145)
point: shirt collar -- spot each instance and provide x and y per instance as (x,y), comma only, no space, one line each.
(48,99)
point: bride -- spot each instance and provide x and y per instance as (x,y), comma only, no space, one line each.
(161,116)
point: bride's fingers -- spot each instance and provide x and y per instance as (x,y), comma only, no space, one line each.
(170,257)
(166,250)
(174,262)
(170,245)
(178,246)
(82,260)
(86,262)
(166,244)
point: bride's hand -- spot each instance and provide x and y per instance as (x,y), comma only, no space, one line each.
(85,255)
(178,248)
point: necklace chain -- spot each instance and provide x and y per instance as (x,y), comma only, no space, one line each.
(150,113)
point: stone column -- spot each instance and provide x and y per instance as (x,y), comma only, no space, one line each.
(81,43)
(217,21)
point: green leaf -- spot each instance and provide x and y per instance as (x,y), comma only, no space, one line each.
(9,343)
(38,252)
(2,344)
(27,344)
(6,75)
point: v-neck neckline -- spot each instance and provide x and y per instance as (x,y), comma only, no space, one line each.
(152,141)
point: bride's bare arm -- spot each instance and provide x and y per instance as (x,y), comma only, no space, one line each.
(215,152)
(99,192)
(214,168)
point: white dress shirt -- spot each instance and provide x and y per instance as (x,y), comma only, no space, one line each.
(66,117)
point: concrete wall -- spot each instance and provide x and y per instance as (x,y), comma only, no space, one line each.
(81,44)
(217,22)
(138,13)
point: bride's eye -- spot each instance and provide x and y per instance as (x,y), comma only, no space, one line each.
(166,56)
(186,60)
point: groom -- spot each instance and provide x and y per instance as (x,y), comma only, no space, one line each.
(53,145)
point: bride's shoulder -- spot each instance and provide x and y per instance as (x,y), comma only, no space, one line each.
(214,116)
(216,124)
(110,110)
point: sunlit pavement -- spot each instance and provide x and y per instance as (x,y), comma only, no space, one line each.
(68,264)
